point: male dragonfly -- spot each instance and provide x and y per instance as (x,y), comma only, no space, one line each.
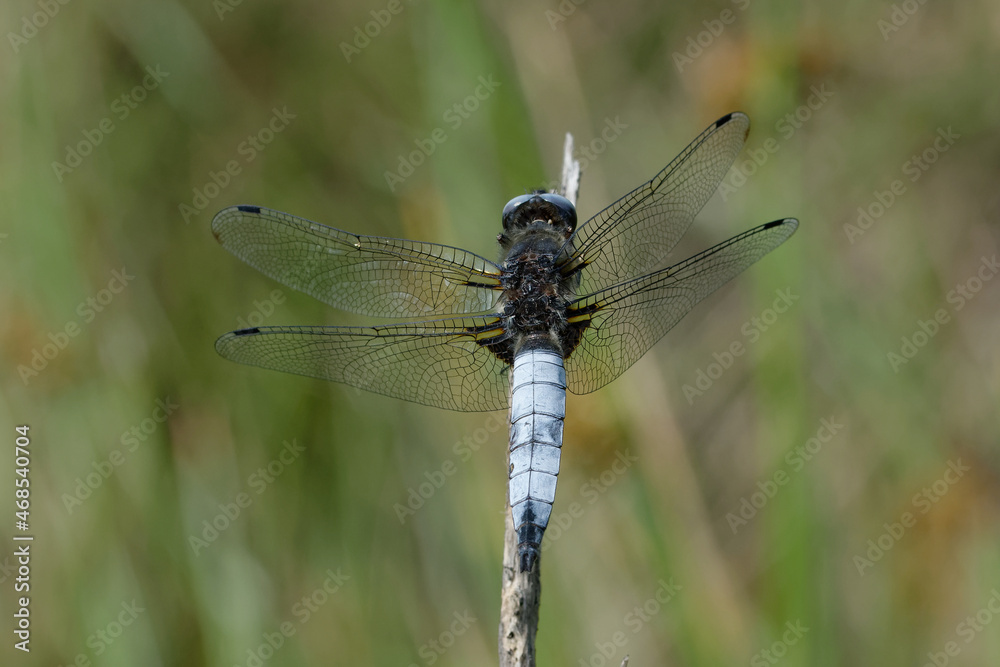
(566,307)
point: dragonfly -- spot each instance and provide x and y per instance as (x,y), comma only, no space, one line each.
(566,306)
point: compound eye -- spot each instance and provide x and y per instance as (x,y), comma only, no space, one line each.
(560,201)
(514,203)
(564,205)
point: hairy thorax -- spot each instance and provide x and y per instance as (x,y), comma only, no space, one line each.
(535,293)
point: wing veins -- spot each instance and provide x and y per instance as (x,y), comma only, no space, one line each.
(619,324)
(369,275)
(436,362)
(634,234)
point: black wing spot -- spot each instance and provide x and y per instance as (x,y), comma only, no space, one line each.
(247,332)
(573,336)
(776,223)
(248,209)
(501,346)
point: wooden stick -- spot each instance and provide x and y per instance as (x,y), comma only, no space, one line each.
(521,592)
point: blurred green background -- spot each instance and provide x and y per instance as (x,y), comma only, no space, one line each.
(858,547)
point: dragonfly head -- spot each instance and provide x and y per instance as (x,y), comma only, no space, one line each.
(540,209)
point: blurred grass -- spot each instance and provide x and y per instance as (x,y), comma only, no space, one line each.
(332,508)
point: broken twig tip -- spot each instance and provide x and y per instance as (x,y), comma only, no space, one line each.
(570,171)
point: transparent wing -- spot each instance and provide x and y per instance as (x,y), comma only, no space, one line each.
(635,234)
(619,325)
(443,363)
(369,275)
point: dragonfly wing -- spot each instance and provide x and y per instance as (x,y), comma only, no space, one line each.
(635,234)
(369,275)
(443,363)
(619,324)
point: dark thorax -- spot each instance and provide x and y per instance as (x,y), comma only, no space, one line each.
(533,248)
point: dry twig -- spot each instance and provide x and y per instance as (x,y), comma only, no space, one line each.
(520,592)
